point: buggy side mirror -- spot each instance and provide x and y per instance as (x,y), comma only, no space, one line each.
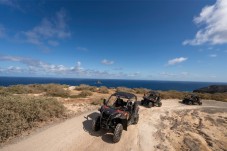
(104,101)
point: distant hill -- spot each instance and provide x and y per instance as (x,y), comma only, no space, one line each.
(212,89)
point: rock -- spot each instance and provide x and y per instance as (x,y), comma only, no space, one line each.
(212,89)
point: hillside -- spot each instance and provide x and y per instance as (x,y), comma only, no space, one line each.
(212,89)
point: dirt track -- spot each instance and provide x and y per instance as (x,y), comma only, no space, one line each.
(153,132)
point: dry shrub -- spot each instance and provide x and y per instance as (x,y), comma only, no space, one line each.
(124,89)
(21,113)
(49,89)
(214,96)
(103,90)
(97,101)
(84,94)
(141,90)
(82,87)
(172,94)
(56,90)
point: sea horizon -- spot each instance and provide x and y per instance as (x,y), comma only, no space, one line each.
(222,82)
(110,83)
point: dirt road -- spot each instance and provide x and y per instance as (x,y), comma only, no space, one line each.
(76,134)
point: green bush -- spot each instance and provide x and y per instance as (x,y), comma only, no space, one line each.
(103,90)
(20,113)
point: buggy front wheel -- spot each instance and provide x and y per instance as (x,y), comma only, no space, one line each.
(117,133)
(96,124)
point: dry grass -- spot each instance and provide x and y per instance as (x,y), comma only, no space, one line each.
(86,87)
(58,90)
(49,89)
(103,90)
(172,94)
(21,113)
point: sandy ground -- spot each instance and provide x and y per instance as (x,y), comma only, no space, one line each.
(174,126)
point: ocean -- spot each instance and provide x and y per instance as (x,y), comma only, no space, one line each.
(150,84)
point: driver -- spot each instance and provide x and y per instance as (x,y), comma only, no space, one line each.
(119,102)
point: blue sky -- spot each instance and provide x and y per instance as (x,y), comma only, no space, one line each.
(153,40)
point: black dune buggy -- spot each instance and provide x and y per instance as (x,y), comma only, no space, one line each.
(117,113)
(151,99)
(192,99)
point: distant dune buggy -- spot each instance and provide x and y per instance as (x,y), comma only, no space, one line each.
(117,113)
(151,99)
(192,99)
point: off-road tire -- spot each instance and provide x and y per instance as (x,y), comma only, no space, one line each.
(200,103)
(96,124)
(150,104)
(159,104)
(117,133)
(136,119)
(189,102)
(142,102)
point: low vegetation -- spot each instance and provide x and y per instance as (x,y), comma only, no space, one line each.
(21,113)
(124,89)
(172,94)
(56,90)
(86,87)
(103,90)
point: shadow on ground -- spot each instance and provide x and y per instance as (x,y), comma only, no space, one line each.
(87,126)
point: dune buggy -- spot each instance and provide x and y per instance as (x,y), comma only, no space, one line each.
(192,99)
(117,113)
(151,99)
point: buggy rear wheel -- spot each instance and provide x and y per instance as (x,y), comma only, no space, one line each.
(159,104)
(189,102)
(96,124)
(117,133)
(136,119)
(150,104)
(142,102)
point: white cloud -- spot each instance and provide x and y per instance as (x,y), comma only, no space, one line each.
(177,75)
(14,69)
(167,74)
(213,20)
(38,67)
(107,62)
(213,55)
(176,60)
(136,74)
(48,32)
